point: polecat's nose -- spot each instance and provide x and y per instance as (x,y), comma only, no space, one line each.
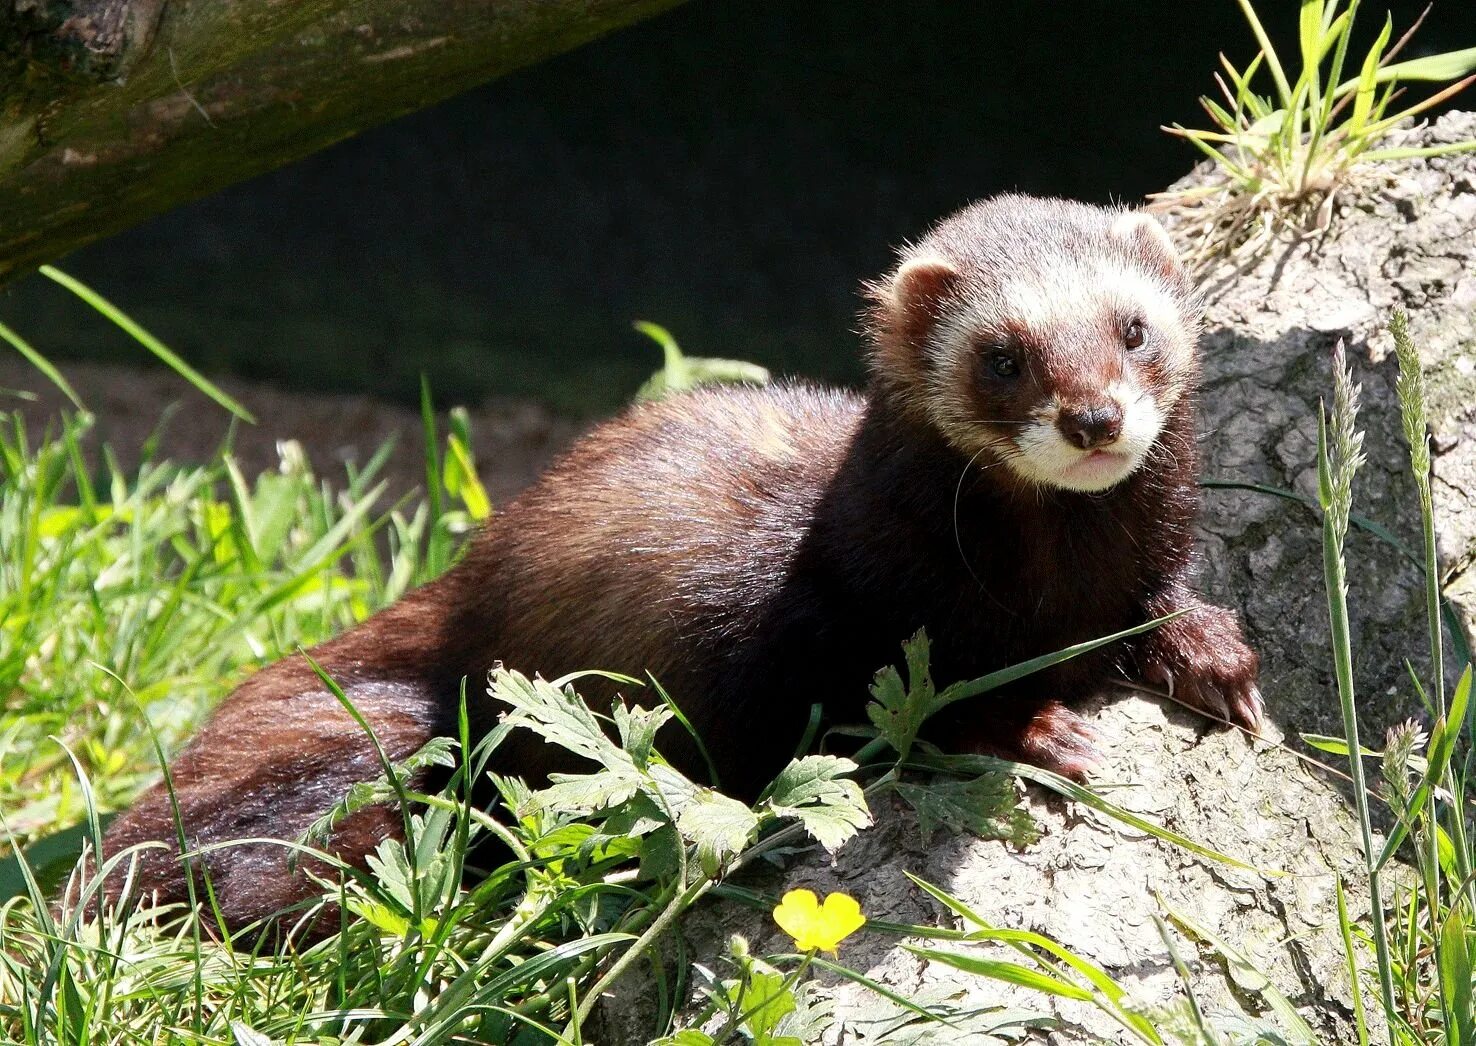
(1094,426)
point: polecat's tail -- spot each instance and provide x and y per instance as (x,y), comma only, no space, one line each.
(277,754)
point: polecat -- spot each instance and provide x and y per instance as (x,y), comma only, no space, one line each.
(1019,476)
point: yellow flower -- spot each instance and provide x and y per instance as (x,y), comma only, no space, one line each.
(817,926)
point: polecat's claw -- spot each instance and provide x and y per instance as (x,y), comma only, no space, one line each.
(1208,665)
(1248,709)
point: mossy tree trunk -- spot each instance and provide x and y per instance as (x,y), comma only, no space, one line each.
(112,111)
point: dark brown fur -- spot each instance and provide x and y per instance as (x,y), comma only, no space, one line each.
(757,550)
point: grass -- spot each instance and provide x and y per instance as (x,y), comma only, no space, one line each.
(1280,159)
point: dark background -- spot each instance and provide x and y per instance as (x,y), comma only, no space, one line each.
(730,170)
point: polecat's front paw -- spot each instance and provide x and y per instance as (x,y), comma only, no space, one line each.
(1203,660)
(1046,734)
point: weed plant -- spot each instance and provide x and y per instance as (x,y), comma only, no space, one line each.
(1280,159)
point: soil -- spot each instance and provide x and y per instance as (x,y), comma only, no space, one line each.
(512,440)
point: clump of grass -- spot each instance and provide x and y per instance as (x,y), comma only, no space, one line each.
(131,602)
(1280,159)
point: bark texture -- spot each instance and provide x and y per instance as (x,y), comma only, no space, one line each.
(114,110)
(1408,237)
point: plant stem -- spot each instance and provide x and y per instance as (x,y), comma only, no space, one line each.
(678,904)
(1335,575)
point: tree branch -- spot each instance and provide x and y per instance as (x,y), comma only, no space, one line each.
(112,111)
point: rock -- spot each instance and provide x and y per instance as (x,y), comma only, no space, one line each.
(1409,239)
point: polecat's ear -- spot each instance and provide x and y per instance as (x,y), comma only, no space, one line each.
(901,313)
(918,289)
(1142,231)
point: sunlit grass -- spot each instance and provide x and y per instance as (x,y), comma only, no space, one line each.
(1280,159)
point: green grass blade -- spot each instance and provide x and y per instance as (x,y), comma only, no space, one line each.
(147,340)
(41,363)
(1007,972)
(1273,63)
(995,680)
(1368,79)
(1247,974)
(1069,789)
(1350,956)
(1437,68)
(1416,152)
(1454,959)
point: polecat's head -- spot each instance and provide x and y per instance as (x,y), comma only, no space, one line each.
(1053,336)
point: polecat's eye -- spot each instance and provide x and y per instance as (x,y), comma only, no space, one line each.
(1133,336)
(1003,365)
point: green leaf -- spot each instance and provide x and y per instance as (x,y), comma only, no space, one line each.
(1439,68)
(986,806)
(1250,977)
(817,792)
(438,751)
(898,711)
(1368,79)
(661,853)
(1008,972)
(767,999)
(459,474)
(558,716)
(583,794)
(719,827)
(686,1037)
(994,680)
(1350,957)
(1335,745)
(637,729)
(1069,789)
(681,372)
(1311,34)
(1455,979)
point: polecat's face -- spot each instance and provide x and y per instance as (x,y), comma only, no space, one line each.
(1044,337)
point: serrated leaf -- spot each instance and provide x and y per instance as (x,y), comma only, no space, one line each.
(806,780)
(661,853)
(637,729)
(583,794)
(558,716)
(834,824)
(641,816)
(718,826)
(438,751)
(815,791)
(897,710)
(988,806)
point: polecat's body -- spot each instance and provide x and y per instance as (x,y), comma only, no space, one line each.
(1020,476)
